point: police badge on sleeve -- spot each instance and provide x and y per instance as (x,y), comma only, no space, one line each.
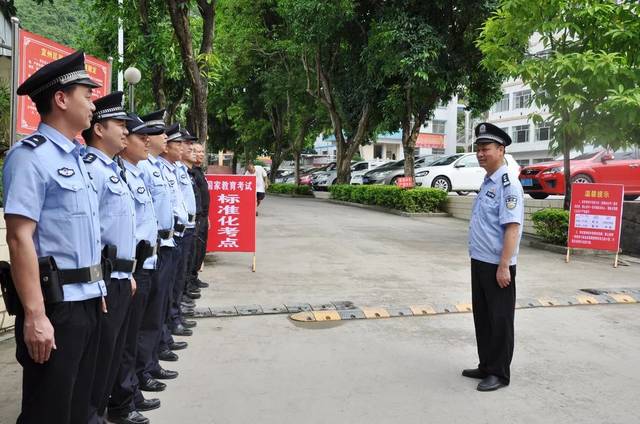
(511,201)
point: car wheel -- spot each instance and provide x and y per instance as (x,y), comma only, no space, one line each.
(581,179)
(630,197)
(462,193)
(539,196)
(394,180)
(334,181)
(442,183)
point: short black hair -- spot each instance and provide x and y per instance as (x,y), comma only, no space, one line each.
(44,102)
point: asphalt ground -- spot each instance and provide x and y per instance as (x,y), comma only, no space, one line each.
(571,364)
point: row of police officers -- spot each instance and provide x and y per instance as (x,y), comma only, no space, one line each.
(105,241)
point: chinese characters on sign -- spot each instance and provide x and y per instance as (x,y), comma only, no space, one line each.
(37,51)
(232,213)
(596,214)
(405,182)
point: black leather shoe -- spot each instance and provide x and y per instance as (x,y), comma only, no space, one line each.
(187,302)
(164,374)
(181,331)
(168,356)
(152,385)
(489,383)
(188,323)
(192,288)
(201,284)
(148,404)
(178,345)
(474,373)
(134,417)
(187,312)
(192,295)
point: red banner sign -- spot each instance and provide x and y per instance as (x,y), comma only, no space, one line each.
(430,140)
(405,182)
(37,51)
(232,213)
(596,216)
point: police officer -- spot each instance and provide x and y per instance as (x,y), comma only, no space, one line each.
(148,369)
(494,236)
(106,138)
(184,224)
(201,190)
(123,409)
(51,213)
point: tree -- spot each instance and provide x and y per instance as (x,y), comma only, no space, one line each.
(587,72)
(331,40)
(426,52)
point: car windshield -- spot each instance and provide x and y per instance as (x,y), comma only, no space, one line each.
(390,165)
(447,160)
(585,156)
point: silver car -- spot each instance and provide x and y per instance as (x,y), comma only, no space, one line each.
(389,174)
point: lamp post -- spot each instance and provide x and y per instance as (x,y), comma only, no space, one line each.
(133,76)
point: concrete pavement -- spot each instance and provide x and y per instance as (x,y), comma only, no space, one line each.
(572,364)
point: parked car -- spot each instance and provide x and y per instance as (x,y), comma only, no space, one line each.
(360,168)
(602,166)
(323,180)
(389,174)
(305,176)
(460,173)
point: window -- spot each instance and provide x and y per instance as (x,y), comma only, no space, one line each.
(502,104)
(447,160)
(360,166)
(469,162)
(522,99)
(520,133)
(523,162)
(438,126)
(544,132)
(624,156)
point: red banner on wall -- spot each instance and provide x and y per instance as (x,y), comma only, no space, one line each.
(37,51)
(232,213)
(596,216)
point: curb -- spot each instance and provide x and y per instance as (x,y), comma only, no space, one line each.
(299,196)
(537,243)
(388,210)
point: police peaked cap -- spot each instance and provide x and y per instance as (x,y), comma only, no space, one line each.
(155,119)
(136,125)
(174,134)
(489,133)
(186,135)
(57,75)
(110,107)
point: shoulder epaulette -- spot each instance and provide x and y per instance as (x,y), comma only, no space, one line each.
(34,140)
(505,180)
(89,158)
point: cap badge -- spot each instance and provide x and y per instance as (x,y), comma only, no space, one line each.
(483,128)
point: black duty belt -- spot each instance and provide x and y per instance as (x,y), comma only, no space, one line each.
(179,228)
(124,265)
(165,234)
(89,274)
(191,217)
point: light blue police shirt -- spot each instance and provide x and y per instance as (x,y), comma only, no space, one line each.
(186,186)
(160,193)
(49,184)
(177,200)
(146,223)
(117,210)
(499,202)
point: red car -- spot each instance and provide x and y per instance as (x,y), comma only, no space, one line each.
(543,179)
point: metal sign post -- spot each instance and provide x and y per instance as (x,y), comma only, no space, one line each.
(15,61)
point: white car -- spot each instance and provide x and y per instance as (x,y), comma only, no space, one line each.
(323,180)
(358,171)
(460,173)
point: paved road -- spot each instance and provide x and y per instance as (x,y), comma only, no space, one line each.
(571,364)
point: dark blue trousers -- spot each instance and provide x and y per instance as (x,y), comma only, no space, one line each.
(169,279)
(126,384)
(187,244)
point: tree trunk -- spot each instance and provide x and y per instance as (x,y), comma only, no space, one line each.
(296,160)
(276,161)
(566,151)
(195,70)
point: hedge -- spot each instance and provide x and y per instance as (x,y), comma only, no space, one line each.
(290,189)
(407,200)
(552,224)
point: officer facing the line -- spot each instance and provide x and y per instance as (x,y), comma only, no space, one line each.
(51,213)
(494,236)
(106,138)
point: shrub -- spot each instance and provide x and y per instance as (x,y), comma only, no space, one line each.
(392,197)
(303,190)
(552,225)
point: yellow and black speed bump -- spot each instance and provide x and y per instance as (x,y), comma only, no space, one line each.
(586,297)
(249,310)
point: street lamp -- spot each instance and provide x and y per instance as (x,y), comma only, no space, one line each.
(133,76)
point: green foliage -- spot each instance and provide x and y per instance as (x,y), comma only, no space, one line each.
(301,190)
(552,225)
(57,20)
(5,114)
(412,200)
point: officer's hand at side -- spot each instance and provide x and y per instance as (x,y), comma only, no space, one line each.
(134,286)
(39,338)
(503,276)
